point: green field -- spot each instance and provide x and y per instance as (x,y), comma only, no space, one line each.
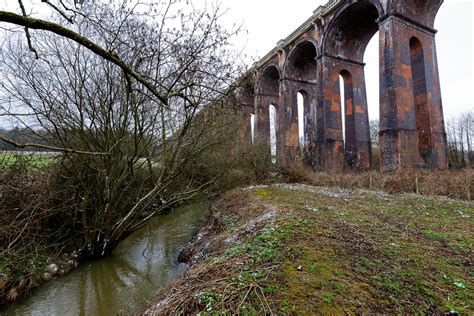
(32,159)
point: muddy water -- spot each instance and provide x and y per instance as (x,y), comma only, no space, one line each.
(126,282)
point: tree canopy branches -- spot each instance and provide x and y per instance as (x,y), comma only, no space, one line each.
(123,95)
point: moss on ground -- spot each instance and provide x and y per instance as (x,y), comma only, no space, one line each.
(335,251)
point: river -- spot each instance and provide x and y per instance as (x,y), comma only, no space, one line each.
(127,281)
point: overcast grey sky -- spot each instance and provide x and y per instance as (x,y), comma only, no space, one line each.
(268,21)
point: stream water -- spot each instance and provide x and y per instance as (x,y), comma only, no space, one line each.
(126,282)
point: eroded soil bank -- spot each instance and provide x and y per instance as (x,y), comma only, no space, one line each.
(297,249)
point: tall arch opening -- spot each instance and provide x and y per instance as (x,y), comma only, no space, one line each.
(252,127)
(342,95)
(273,136)
(372,75)
(423,126)
(345,46)
(300,84)
(301,119)
(267,113)
(348,120)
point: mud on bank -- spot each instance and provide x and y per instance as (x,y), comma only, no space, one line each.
(297,249)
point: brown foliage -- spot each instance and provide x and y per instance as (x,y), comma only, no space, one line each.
(35,225)
(452,184)
(242,207)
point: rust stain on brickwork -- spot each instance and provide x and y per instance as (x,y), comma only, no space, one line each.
(331,43)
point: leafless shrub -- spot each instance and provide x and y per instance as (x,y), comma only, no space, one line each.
(120,96)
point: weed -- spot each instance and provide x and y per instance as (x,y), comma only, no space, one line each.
(208,299)
(327,297)
(233,252)
(229,221)
(272,289)
(340,288)
(393,286)
(431,234)
(312,268)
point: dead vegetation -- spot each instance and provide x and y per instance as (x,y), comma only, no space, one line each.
(35,222)
(211,280)
(299,249)
(456,184)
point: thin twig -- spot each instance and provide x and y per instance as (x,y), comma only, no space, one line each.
(27,32)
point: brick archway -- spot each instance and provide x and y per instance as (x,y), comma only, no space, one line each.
(332,42)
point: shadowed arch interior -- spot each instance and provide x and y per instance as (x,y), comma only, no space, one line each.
(247,94)
(269,82)
(352,30)
(301,64)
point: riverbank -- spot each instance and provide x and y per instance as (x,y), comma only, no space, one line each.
(125,282)
(19,276)
(298,249)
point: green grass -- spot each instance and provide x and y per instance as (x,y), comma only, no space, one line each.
(33,160)
(370,254)
(361,252)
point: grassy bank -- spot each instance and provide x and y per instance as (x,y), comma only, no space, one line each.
(296,249)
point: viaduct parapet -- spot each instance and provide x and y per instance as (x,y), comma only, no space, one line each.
(330,44)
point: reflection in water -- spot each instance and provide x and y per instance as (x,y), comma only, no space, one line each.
(127,281)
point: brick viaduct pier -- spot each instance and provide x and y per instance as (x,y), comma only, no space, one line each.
(331,44)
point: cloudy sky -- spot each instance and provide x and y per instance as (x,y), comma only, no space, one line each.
(268,21)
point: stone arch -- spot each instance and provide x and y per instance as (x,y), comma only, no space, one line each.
(301,62)
(245,97)
(351,29)
(268,93)
(268,83)
(421,11)
(306,114)
(300,75)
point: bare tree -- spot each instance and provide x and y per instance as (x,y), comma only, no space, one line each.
(374,132)
(118,96)
(460,135)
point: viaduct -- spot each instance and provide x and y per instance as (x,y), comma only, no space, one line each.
(330,44)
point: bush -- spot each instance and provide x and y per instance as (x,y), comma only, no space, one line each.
(36,220)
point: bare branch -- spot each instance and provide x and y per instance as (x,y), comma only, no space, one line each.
(27,32)
(39,24)
(52,148)
(55,8)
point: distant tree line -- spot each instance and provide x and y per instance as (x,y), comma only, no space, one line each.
(460,136)
(21,135)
